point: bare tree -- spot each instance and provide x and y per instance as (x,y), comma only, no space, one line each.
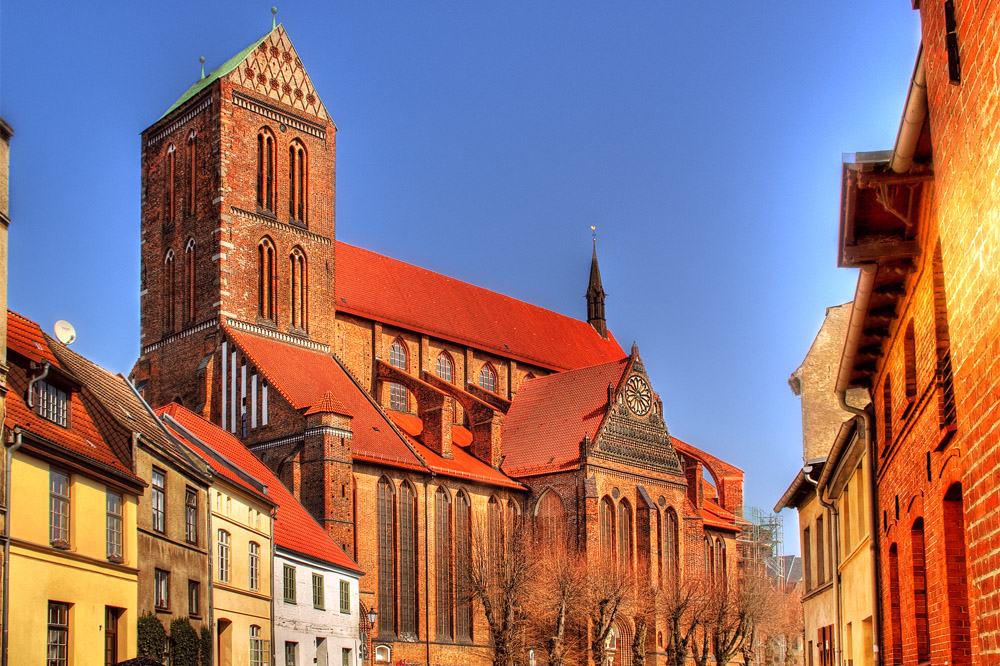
(609,592)
(499,577)
(739,612)
(559,587)
(682,604)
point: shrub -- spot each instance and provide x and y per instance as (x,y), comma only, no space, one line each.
(206,646)
(184,643)
(151,637)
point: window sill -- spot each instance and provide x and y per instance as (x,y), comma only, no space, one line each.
(117,559)
(162,609)
(61,544)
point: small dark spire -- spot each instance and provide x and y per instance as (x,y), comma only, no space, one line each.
(595,298)
(274,18)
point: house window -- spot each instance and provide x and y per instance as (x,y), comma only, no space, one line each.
(345,596)
(52,403)
(443,562)
(445,367)
(59,509)
(58,635)
(288,584)
(267,278)
(386,558)
(223,556)
(299,296)
(463,566)
(159,500)
(807,558)
(191,516)
(397,392)
(259,648)
(820,552)
(298,181)
(319,594)
(291,653)
(189,280)
(488,378)
(161,589)
(111,617)
(194,598)
(115,530)
(265,170)
(345,656)
(254,566)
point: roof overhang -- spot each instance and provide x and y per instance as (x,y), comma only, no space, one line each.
(800,488)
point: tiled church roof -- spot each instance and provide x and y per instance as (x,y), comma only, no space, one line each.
(550,415)
(375,286)
(294,529)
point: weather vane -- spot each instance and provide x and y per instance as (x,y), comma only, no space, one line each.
(274,18)
(593,232)
(202,61)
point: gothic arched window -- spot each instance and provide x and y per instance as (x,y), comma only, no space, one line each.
(265,170)
(488,378)
(397,392)
(550,520)
(298,181)
(445,367)
(407,560)
(671,543)
(266,279)
(494,528)
(171,182)
(298,301)
(189,292)
(607,526)
(192,145)
(170,294)
(463,565)
(386,558)
(625,536)
(443,562)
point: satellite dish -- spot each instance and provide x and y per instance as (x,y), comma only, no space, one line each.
(65,332)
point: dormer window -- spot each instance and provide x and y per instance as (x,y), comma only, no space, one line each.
(53,403)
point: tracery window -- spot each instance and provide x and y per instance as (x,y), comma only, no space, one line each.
(397,392)
(265,170)
(625,536)
(189,280)
(266,279)
(494,527)
(463,564)
(488,378)
(298,181)
(298,299)
(607,523)
(407,560)
(550,520)
(192,144)
(443,561)
(445,367)
(720,559)
(386,558)
(171,296)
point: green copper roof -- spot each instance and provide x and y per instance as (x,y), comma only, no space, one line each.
(216,74)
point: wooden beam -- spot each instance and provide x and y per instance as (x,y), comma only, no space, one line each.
(876,179)
(866,253)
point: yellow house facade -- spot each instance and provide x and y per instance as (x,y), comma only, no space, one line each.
(73,560)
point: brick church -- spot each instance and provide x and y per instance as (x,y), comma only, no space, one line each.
(401,406)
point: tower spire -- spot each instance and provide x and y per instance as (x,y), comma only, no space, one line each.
(595,296)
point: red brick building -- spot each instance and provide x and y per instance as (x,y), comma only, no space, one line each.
(921,221)
(399,405)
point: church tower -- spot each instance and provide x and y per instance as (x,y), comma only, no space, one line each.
(238,191)
(595,298)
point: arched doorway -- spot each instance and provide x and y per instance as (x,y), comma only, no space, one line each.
(619,644)
(225,646)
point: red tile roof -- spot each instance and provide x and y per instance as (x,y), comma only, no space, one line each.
(550,415)
(82,437)
(377,287)
(717,517)
(294,528)
(327,404)
(462,465)
(304,376)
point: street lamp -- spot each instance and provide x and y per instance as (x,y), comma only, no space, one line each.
(372,616)
(367,625)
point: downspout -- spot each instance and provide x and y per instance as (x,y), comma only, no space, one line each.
(6,541)
(427,580)
(31,384)
(209,539)
(914,115)
(274,512)
(835,530)
(866,283)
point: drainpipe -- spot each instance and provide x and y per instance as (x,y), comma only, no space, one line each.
(427,580)
(866,283)
(913,119)
(274,649)
(209,539)
(31,384)
(6,542)
(835,530)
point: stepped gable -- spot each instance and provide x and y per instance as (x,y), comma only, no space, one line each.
(462,465)
(550,416)
(374,286)
(269,67)
(121,403)
(294,529)
(83,437)
(302,376)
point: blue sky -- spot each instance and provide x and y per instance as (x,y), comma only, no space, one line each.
(482,140)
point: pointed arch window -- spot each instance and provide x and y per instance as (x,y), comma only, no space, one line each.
(192,149)
(386,511)
(720,559)
(298,181)
(298,299)
(957,589)
(488,378)
(407,560)
(463,565)
(624,536)
(942,338)
(910,362)
(920,617)
(189,289)
(267,277)
(443,562)
(550,520)
(886,414)
(709,560)
(171,182)
(494,528)
(445,367)
(265,170)
(671,541)
(895,619)
(171,295)
(607,526)
(397,392)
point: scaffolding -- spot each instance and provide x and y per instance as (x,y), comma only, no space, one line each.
(760,542)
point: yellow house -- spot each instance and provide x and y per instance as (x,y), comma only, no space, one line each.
(240,524)
(73,560)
